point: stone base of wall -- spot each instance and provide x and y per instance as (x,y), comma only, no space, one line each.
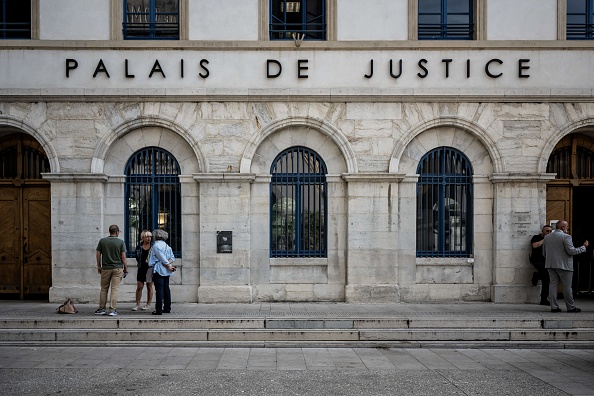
(372,293)
(126,293)
(511,294)
(225,294)
(432,292)
(303,292)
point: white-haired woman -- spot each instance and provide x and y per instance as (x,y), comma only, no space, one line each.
(143,275)
(161,259)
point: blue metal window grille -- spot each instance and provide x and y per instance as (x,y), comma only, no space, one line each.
(580,20)
(446,20)
(560,162)
(300,17)
(15,19)
(151,19)
(153,197)
(444,204)
(298,204)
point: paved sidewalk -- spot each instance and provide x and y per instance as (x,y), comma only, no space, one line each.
(294,371)
(21,309)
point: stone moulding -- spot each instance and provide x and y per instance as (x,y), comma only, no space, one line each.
(522,177)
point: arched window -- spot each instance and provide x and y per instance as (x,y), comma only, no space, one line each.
(444,204)
(303,17)
(569,165)
(298,204)
(21,157)
(446,20)
(153,197)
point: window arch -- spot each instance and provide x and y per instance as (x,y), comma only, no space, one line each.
(444,204)
(304,17)
(563,160)
(446,20)
(153,199)
(298,204)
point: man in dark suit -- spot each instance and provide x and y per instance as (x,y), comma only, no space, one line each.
(558,250)
(537,259)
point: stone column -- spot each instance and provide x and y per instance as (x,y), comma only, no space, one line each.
(224,206)
(520,211)
(372,222)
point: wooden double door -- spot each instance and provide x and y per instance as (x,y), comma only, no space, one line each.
(571,197)
(25,247)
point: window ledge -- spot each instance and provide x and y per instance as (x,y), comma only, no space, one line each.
(298,261)
(445,261)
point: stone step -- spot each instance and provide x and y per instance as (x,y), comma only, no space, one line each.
(119,323)
(302,335)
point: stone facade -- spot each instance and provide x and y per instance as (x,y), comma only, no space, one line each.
(225,150)
(217,101)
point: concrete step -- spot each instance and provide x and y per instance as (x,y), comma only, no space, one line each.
(122,323)
(568,331)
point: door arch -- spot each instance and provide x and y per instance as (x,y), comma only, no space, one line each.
(25,250)
(569,197)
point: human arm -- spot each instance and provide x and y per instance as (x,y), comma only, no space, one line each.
(98,256)
(572,250)
(538,244)
(125,262)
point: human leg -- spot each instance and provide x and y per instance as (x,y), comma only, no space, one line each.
(158,281)
(166,295)
(554,282)
(139,286)
(116,279)
(149,294)
(566,279)
(543,274)
(105,281)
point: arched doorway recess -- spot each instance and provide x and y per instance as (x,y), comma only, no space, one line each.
(569,197)
(25,249)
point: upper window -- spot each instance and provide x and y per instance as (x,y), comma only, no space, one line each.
(446,20)
(151,19)
(153,198)
(15,19)
(580,19)
(444,204)
(301,19)
(298,204)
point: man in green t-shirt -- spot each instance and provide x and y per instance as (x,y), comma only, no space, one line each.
(111,265)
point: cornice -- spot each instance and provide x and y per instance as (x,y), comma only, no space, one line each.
(265,45)
(522,177)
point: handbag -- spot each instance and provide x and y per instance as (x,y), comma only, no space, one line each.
(67,308)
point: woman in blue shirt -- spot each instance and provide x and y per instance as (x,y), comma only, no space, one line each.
(161,259)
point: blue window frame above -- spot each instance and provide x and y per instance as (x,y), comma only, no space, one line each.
(298,18)
(151,20)
(580,20)
(446,20)
(15,19)
(153,197)
(444,204)
(298,204)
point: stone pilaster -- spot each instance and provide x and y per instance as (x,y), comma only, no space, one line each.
(372,273)
(224,206)
(520,211)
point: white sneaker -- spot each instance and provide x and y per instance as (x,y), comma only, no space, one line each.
(146,307)
(113,313)
(135,308)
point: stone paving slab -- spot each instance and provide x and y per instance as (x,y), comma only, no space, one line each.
(295,371)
